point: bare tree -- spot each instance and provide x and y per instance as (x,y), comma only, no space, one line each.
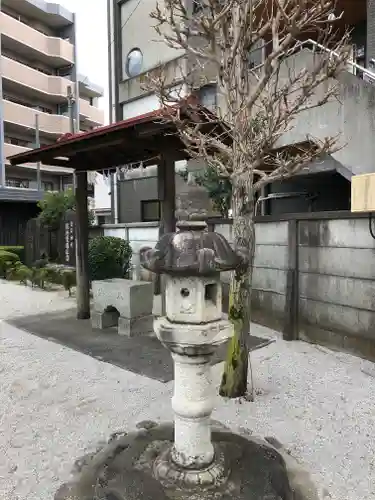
(258,106)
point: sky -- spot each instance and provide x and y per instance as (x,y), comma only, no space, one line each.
(92,41)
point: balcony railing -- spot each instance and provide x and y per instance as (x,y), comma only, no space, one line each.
(352,66)
(92,114)
(49,46)
(12,149)
(316,47)
(50,86)
(24,116)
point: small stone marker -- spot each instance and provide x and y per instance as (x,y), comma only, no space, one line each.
(123,303)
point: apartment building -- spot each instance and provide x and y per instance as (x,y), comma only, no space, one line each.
(38,67)
(327,185)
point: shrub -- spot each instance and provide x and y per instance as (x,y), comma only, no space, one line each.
(6,260)
(17,250)
(53,275)
(21,273)
(38,277)
(41,263)
(109,257)
(68,280)
(11,269)
(54,207)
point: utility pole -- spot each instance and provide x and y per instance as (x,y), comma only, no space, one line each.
(70,97)
(37,146)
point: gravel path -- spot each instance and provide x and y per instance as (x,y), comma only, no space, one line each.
(56,403)
(16,300)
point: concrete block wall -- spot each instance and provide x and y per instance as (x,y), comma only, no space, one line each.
(314,276)
(336,285)
(270,271)
(138,234)
(328,295)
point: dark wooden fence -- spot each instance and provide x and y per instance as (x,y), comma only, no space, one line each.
(13,222)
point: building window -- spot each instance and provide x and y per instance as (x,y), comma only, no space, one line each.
(104,219)
(197,6)
(65,71)
(18,183)
(16,142)
(47,186)
(62,109)
(133,63)
(150,210)
(257,54)
(208,96)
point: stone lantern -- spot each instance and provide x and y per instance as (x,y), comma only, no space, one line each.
(192,259)
(186,461)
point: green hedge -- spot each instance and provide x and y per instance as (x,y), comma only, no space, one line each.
(19,251)
(109,257)
(12,269)
(6,260)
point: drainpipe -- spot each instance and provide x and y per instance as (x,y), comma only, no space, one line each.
(113,81)
(37,145)
(110,64)
(275,196)
(2,157)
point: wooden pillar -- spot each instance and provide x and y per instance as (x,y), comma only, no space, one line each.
(82,243)
(167,194)
(167,198)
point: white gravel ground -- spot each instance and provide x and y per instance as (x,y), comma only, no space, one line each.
(56,404)
(16,300)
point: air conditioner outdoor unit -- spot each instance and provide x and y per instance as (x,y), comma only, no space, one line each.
(363,193)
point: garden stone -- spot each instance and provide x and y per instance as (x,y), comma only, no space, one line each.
(123,303)
(104,320)
(132,327)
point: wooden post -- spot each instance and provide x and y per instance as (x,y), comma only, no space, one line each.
(167,198)
(290,331)
(167,194)
(82,243)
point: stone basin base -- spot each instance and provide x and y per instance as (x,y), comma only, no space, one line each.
(251,469)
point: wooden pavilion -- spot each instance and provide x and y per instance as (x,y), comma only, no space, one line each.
(149,138)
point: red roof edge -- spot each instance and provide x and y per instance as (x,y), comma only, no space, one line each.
(70,138)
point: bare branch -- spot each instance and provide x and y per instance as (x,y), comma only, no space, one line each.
(257,106)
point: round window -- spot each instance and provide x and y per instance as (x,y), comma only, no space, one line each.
(134,62)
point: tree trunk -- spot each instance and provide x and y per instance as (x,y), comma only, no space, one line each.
(234,379)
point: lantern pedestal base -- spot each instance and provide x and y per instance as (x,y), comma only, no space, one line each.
(167,471)
(131,465)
